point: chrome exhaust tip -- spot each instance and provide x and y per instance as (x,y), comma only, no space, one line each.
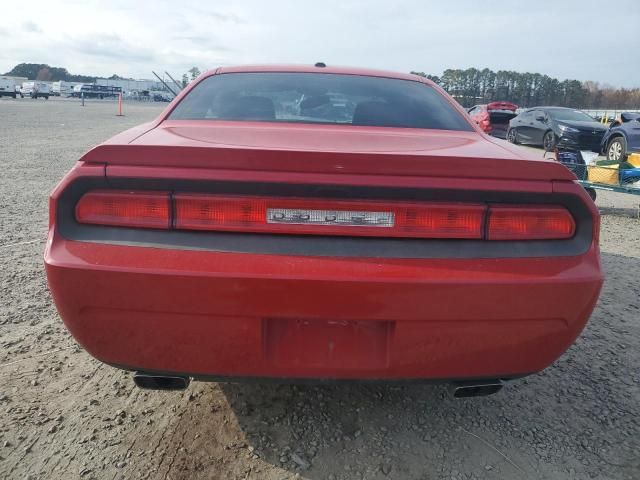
(477,389)
(160,382)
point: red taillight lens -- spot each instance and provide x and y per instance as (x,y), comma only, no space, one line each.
(209,212)
(502,106)
(186,211)
(443,221)
(125,209)
(328,217)
(529,223)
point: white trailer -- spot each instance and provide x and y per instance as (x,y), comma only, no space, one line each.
(8,87)
(62,88)
(36,89)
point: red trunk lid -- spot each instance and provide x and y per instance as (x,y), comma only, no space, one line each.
(325,149)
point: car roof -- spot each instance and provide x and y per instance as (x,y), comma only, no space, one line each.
(285,68)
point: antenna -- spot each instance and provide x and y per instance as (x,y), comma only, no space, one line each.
(180,87)
(164,83)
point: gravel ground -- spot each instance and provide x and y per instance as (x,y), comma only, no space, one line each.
(63,415)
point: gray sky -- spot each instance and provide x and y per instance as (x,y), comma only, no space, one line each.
(587,40)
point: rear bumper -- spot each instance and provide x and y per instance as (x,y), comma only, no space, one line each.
(499,133)
(254,315)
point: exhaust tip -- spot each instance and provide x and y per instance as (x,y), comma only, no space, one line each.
(477,389)
(160,382)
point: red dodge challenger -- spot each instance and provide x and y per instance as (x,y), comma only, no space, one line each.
(320,223)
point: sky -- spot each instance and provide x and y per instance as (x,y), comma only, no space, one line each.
(576,39)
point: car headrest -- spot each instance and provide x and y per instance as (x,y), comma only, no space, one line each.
(629,116)
(380,113)
(248,108)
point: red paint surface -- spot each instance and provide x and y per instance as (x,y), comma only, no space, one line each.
(210,313)
(206,313)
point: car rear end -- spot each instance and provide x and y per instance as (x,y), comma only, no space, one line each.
(321,252)
(499,114)
(7,87)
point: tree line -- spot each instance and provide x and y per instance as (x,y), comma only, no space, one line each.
(473,86)
(43,72)
(469,87)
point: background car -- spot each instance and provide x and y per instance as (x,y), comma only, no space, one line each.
(560,127)
(494,117)
(622,138)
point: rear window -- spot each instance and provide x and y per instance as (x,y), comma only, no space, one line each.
(570,115)
(319,98)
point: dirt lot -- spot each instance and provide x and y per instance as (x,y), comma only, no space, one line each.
(63,415)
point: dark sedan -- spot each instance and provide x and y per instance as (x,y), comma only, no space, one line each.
(552,127)
(623,138)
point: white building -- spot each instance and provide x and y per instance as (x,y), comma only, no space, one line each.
(17,80)
(133,86)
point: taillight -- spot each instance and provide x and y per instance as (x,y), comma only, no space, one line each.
(125,209)
(529,223)
(186,211)
(502,106)
(328,217)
